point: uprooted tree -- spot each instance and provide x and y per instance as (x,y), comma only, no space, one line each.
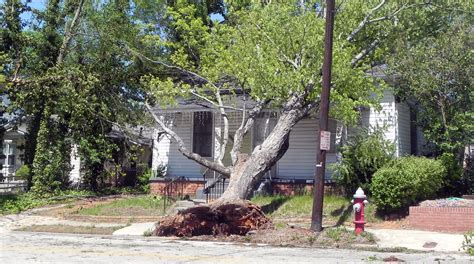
(271,55)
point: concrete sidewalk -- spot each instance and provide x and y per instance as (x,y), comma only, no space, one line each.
(136,229)
(418,240)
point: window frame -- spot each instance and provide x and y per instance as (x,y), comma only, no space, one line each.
(212,133)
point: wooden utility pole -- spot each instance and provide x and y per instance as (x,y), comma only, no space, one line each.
(318,191)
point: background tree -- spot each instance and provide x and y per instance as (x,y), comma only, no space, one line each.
(3,120)
(436,78)
(70,77)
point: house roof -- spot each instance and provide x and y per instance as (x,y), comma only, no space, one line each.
(196,104)
(140,135)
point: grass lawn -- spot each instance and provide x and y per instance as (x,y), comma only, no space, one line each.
(144,205)
(337,210)
(71,229)
(16,203)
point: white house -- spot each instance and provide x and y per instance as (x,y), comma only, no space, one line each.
(13,144)
(13,138)
(198,125)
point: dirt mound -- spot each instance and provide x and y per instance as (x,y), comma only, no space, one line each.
(215,219)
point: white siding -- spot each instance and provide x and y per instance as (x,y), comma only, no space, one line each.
(178,165)
(300,158)
(394,118)
(385,118)
(166,151)
(403,130)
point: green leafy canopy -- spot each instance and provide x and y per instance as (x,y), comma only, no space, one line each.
(271,52)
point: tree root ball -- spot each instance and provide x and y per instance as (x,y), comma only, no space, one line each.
(236,218)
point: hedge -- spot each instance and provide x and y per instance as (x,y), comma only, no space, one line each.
(406,181)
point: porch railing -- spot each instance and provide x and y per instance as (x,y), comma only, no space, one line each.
(215,188)
(11,184)
(173,191)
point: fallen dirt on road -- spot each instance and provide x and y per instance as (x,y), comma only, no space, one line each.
(297,237)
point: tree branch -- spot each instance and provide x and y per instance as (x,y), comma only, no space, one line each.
(169,66)
(365,52)
(285,57)
(367,19)
(244,128)
(225,137)
(364,21)
(69,33)
(182,148)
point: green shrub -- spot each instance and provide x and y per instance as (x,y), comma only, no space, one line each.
(406,181)
(143,181)
(452,184)
(23,172)
(467,179)
(361,156)
(468,243)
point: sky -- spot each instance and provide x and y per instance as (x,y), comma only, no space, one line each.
(40,4)
(35,4)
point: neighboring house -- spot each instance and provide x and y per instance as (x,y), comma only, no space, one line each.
(13,145)
(198,125)
(130,139)
(14,141)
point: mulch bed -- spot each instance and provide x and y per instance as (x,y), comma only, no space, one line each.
(448,202)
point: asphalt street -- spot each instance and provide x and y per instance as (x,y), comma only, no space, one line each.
(26,247)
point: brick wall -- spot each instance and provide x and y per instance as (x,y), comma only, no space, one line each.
(447,219)
(285,188)
(190,187)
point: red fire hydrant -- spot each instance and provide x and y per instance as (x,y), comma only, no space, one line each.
(359,202)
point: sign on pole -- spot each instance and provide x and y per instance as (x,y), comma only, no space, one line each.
(325,137)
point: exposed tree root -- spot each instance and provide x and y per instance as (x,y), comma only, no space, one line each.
(236,218)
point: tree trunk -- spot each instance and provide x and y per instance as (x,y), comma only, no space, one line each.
(231,214)
(249,170)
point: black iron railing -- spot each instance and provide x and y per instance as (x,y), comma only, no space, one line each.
(215,188)
(173,191)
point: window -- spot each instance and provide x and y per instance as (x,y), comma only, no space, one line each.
(202,133)
(9,150)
